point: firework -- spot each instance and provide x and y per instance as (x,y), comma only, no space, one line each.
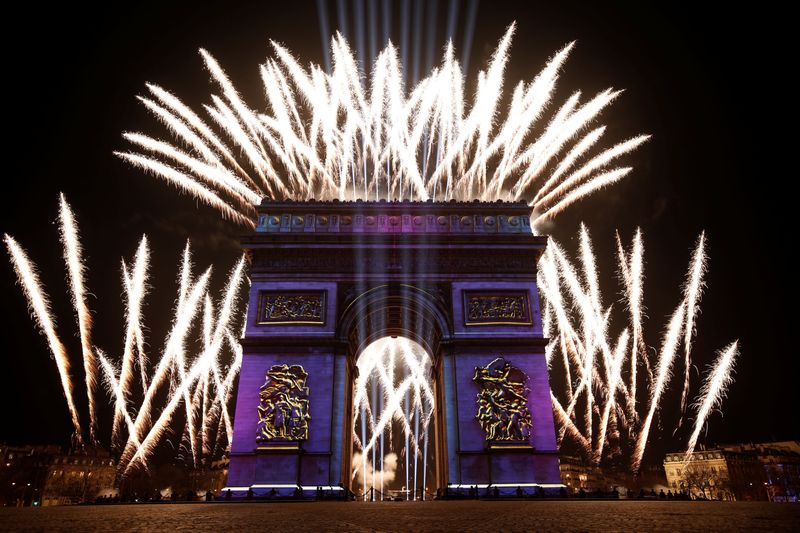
(666,356)
(136,401)
(392,389)
(713,391)
(693,290)
(337,135)
(39,306)
(602,399)
(135,287)
(74,260)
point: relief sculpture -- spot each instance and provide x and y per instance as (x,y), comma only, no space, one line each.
(497,308)
(503,401)
(279,308)
(283,409)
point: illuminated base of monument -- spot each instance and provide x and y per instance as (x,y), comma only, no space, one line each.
(331,278)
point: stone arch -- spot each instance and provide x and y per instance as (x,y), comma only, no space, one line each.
(397,310)
(417,313)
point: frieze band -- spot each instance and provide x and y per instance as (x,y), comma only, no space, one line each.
(394,217)
(506,262)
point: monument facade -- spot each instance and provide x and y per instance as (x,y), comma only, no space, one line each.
(329,278)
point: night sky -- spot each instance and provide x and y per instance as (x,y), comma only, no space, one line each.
(708,85)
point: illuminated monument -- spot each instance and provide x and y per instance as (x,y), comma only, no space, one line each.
(331,278)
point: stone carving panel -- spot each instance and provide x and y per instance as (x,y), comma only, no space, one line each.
(503,402)
(283,407)
(496,307)
(291,307)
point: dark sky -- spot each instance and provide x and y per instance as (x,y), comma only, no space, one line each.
(709,85)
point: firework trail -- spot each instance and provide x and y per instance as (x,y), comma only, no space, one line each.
(114,389)
(156,433)
(616,370)
(205,403)
(135,285)
(175,343)
(666,357)
(387,395)
(203,364)
(336,135)
(631,270)
(40,309)
(187,184)
(693,291)
(73,257)
(602,400)
(713,391)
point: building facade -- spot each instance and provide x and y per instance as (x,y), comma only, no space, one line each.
(46,475)
(738,472)
(577,475)
(79,478)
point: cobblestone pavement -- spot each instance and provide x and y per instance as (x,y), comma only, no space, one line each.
(423,516)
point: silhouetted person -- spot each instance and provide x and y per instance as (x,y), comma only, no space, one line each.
(669,494)
(496,492)
(581,493)
(653,493)
(615,493)
(540,492)
(630,494)
(472,492)
(209,496)
(661,494)
(520,492)
(249,494)
(228,495)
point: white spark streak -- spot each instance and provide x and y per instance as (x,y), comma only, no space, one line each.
(335,135)
(135,288)
(666,358)
(39,307)
(187,184)
(713,391)
(604,395)
(203,406)
(73,256)
(693,291)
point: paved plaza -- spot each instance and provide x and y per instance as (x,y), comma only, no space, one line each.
(428,516)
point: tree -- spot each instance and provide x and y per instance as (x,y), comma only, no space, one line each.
(701,478)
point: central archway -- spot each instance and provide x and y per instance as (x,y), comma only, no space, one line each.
(394,335)
(394,409)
